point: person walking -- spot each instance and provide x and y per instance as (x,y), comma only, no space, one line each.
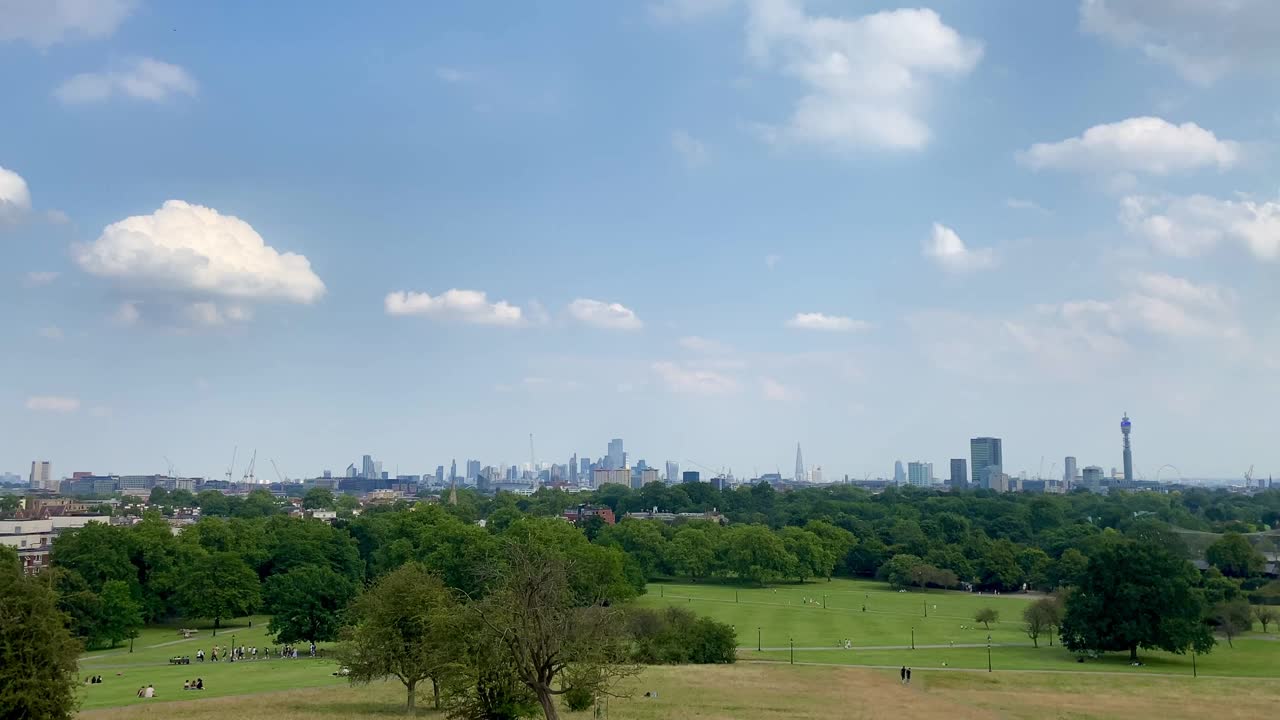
(902,674)
(908,676)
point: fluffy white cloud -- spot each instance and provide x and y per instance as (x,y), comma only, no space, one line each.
(1201,40)
(950,253)
(15,198)
(828,323)
(694,381)
(210,314)
(470,306)
(196,250)
(1148,145)
(690,149)
(612,316)
(866,79)
(48,22)
(1158,304)
(1192,225)
(140,78)
(40,278)
(53,403)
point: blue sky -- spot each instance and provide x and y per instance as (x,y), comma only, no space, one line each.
(711,227)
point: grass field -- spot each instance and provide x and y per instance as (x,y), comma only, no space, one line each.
(778,692)
(124,672)
(883,634)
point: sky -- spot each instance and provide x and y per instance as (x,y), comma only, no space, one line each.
(714,228)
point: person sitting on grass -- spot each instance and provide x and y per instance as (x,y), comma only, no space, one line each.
(199,683)
(150,692)
(142,691)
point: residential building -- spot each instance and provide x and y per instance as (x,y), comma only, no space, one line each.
(1068,470)
(920,474)
(582,512)
(985,458)
(33,539)
(619,476)
(366,467)
(899,475)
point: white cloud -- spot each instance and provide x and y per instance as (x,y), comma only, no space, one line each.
(53,403)
(950,253)
(866,79)
(452,75)
(1192,225)
(195,250)
(694,381)
(774,390)
(687,10)
(469,306)
(1148,145)
(827,323)
(1202,40)
(690,149)
(127,313)
(140,78)
(15,198)
(771,261)
(48,22)
(696,344)
(40,278)
(210,314)
(52,332)
(612,316)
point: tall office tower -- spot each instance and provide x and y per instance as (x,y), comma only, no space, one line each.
(959,474)
(673,472)
(1092,477)
(366,467)
(899,475)
(1128,453)
(377,468)
(584,469)
(351,470)
(41,476)
(573,469)
(453,471)
(617,458)
(1068,470)
(473,470)
(985,458)
(918,474)
(800,477)
(439,475)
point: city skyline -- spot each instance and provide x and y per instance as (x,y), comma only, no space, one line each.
(475,222)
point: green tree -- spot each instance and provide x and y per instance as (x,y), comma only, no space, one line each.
(1231,618)
(1136,595)
(691,553)
(1068,569)
(986,616)
(159,496)
(641,539)
(1266,615)
(37,654)
(121,615)
(1234,556)
(812,557)
(307,603)
(755,554)
(898,572)
(400,627)
(1040,617)
(318,499)
(217,585)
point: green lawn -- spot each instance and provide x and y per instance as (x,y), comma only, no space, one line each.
(124,672)
(882,635)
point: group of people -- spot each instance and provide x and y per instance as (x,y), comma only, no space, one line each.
(93,680)
(242,653)
(197,684)
(906,675)
(147,692)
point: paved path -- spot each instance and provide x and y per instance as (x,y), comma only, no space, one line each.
(1136,671)
(785,648)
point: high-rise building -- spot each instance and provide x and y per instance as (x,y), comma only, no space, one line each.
(439,475)
(985,457)
(351,470)
(366,467)
(1068,470)
(453,471)
(573,469)
(41,476)
(815,475)
(800,476)
(673,472)
(920,474)
(1128,453)
(473,470)
(584,469)
(617,457)
(1091,478)
(690,476)
(959,474)
(899,475)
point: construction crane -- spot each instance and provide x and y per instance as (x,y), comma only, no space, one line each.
(279,475)
(248,471)
(231,468)
(170,463)
(1248,478)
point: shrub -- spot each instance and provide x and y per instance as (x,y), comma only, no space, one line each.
(578,699)
(676,636)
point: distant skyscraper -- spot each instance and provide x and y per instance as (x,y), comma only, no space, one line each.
(439,475)
(918,474)
(1068,470)
(800,477)
(41,476)
(1128,453)
(584,470)
(351,470)
(617,458)
(1092,478)
(366,467)
(673,471)
(899,475)
(377,468)
(453,471)
(573,468)
(985,457)
(690,476)
(473,470)
(959,474)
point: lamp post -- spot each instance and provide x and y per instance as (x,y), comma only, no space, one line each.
(792,641)
(1193,664)
(988,653)
(913,637)
(759,644)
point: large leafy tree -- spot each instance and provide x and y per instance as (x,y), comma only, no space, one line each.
(1136,595)
(691,553)
(307,603)
(37,653)
(402,627)
(812,557)
(121,614)
(1234,556)
(754,553)
(217,585)
(318,499)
